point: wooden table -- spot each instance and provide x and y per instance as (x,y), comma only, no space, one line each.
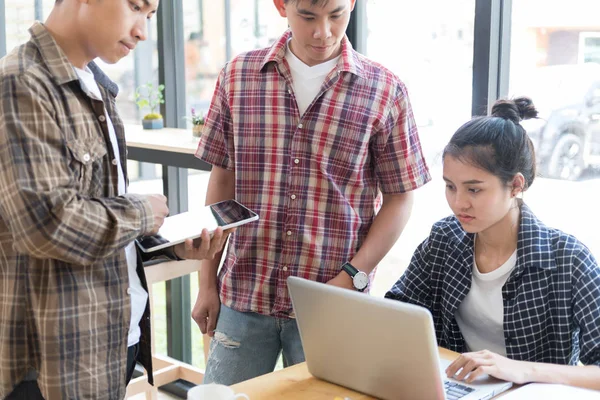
(296,383)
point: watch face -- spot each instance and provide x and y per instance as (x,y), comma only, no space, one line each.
(361,280)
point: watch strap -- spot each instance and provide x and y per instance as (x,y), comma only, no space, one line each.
(350,269)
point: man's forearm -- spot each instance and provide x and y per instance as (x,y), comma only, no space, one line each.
(207,276)
(385,231)
(109,224)
(221,186)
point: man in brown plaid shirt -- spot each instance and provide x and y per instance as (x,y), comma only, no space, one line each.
(74,315)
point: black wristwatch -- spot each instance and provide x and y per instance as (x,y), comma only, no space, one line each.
(360,279)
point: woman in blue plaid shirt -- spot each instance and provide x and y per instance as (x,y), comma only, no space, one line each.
(520,300)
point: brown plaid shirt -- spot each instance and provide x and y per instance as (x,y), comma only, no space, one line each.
(64,308)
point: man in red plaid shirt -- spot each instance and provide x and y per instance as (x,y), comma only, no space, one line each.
(307,133)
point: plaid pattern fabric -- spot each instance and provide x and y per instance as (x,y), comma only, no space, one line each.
(64,310)
(313,179)
(551,299)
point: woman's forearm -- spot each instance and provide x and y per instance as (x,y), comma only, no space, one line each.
(587,377)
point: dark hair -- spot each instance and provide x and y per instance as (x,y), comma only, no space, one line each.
(498,143)
(321,3)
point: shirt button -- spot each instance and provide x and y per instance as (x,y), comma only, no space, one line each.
(293,197)
(102,118)
(300,126)
(86,157)
(285,268)
(128,290)
(289,233)
(296,161)
(290,91)
(115,162)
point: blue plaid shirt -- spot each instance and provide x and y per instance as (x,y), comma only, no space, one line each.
(551,299)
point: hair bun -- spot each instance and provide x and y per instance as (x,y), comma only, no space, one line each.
(515,110)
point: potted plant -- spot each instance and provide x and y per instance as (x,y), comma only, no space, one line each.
(150,97)
(197,123)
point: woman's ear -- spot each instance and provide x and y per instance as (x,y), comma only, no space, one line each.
(518,185)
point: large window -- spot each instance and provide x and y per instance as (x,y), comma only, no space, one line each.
(20,15)
(555,61)
(215,32)
(432,53)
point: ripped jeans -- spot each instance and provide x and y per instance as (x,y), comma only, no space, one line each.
(247,345)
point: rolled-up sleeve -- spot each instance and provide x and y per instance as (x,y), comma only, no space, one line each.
(400,163)
(216,142)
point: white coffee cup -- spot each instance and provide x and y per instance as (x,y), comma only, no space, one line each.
(213,391)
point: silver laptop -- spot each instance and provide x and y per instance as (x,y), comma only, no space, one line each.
(380,347)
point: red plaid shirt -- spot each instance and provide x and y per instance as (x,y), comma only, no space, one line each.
(314,179)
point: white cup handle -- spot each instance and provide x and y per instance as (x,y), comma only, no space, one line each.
(241,396)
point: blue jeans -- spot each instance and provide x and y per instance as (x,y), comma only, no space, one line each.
(247,345)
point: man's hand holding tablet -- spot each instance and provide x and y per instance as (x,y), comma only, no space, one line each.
(198,234)
(205,248)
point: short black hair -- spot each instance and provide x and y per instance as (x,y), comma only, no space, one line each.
(498,143)
(321,3)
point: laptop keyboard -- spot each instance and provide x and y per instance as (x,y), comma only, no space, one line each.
(455,391)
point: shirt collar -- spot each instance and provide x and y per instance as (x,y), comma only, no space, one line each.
(534,245)
(59,65)
(103,79)
(348,62)
(54,58)
(536,237)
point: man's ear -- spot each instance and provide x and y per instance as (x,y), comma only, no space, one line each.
(280,5)
(352,4)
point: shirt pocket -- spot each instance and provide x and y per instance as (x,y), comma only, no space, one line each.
(87,164)
(344,155)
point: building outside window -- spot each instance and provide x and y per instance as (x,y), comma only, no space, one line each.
(554,59)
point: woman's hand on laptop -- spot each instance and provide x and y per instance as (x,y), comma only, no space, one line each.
(204,248)
(342,280)
(469,366)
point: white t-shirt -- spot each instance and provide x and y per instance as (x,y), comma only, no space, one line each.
(139,297)
(480,316)
(307,80)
